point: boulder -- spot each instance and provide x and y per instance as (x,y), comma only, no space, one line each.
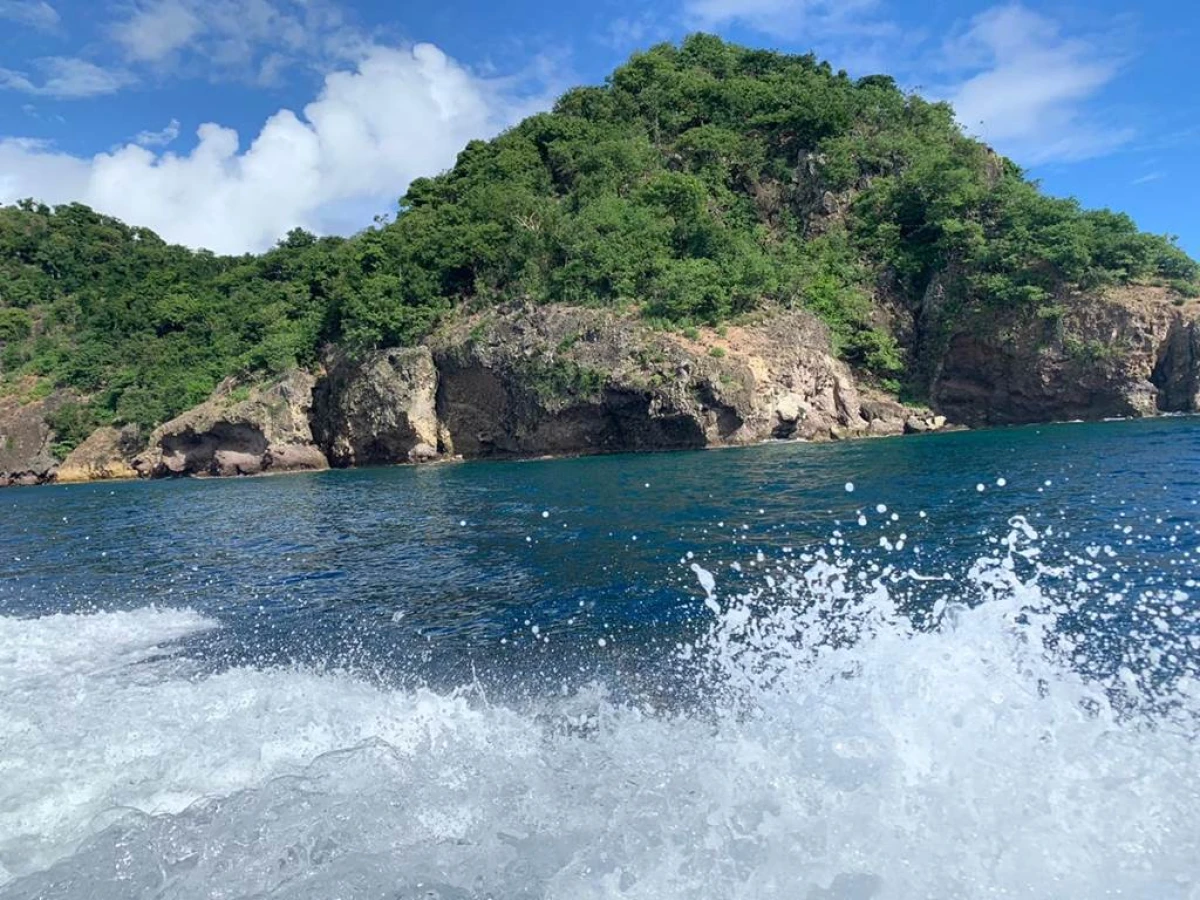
(108,453)
(422,453)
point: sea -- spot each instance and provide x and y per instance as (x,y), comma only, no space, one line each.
(961,665)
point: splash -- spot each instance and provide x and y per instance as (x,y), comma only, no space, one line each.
(867,731)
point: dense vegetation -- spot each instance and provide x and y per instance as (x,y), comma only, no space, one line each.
(698,183)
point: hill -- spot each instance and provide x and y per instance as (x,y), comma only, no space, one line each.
(702,185)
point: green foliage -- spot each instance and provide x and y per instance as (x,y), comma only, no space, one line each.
(716,352)
(71,423)
(553,379)
(693,185)
(15,324)
(1090,351)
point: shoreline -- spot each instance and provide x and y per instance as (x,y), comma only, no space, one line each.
(533,458)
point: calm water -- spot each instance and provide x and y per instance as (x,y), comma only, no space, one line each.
(957,665)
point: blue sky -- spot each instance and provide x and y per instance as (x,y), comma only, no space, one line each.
(223,123)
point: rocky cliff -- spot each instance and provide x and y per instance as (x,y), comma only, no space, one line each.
(557,380)
(1127,352)
(249,432)
(107,454)
(380,408)
(26,440)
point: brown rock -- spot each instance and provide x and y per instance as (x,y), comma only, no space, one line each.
(422,453)
(106,454)
(1130,351)
(378,409)
(26,440)
(560,380)
(266,431)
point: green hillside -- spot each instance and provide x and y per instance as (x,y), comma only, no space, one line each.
(700,182)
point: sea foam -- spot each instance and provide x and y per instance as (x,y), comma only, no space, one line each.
(862,733)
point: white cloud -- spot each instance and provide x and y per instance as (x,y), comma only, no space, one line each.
(156,30)
(1029,89)
(67,78)
(253,39)
(399,114)
(35,13)
(1147,178)
(159,138)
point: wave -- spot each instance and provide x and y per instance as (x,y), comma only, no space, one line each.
(865,733)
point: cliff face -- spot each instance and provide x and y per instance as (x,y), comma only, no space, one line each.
(1127,352)
(106,455)
(566,380)
(558,380)
(380,409)
(26,439)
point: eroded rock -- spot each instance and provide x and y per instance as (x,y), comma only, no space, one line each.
(107,454)
(556,380)
(26,440)
(379,409)
(1127,352)
(266,430)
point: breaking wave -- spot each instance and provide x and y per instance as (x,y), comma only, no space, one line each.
(863,731)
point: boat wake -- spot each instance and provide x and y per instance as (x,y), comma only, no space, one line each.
(866,731)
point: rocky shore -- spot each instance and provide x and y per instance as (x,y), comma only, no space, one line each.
(558,380)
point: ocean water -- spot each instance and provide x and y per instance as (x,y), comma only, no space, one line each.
(947,666)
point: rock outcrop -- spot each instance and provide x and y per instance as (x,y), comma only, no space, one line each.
(1129,352)
(263,429)
(26,440)
(379,409)
(562,380)
(106,455)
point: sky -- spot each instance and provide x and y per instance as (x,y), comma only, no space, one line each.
(225,123)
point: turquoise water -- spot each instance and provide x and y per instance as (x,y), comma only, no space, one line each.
(959,665)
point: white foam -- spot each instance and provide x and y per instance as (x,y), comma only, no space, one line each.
(844,754)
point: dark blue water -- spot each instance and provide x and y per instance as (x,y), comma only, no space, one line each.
(424,572)
(527,580)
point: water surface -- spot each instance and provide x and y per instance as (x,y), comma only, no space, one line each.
(709,674)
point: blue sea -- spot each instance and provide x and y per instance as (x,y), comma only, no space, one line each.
(958,665)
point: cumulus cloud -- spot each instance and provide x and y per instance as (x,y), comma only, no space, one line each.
(398,114)
(67,78)
(1029,86)
(34,13)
